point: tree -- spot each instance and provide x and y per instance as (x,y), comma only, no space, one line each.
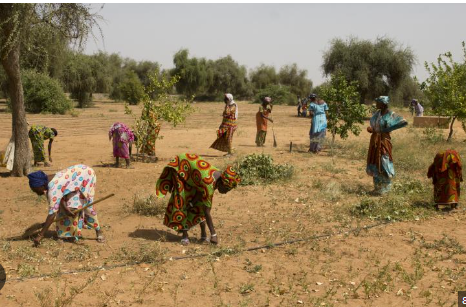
(379,67)
(345,112)
(280,94)
(155,110)
(71,21)
(194,74)
(132,90)
(229,77)
(262,77)
(445,87)
(296,79)
(80,79)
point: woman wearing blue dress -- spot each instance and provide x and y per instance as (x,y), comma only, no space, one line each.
(319,123)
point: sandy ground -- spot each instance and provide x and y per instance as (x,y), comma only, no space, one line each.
(400,264)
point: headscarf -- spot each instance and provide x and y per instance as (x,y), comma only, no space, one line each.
(383,99)
(38,179)
(312,96)
(268,99)
(414,101)
(232,102)
(230,177)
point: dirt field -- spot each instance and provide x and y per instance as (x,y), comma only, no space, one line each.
(419,261)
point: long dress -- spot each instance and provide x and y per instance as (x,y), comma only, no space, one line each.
(79,180)
(446,174)
(121,136)
(379,156)
(318,126)
(38,134)
(190,180)
(261,124)
(227,128)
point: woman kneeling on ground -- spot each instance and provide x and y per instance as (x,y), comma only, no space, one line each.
(67,191)
(192,182)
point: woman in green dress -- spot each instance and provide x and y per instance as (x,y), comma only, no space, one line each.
(38,134)
(192,182)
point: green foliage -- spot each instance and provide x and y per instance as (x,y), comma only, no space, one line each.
(379,67)
(279,93)
(147,206)
(445,87)
(263,76)
(229,77)
(433,135)
(345,112)
(194,73)
(163,107)
(296,79)
(260,169)
(43,94)
(132,90)
(79,78)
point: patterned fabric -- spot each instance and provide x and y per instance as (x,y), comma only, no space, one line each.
(446,174)
(261,122)
(190,180)
(77,181)
(226,129)
(379,156)
(38,134)
(122,136)
(383,99)
(230,178)
(260,138)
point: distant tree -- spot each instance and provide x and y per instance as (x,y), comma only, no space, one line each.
(280,94)
(80,79)
(132,90)
(229,76)
(146,69)
(263,76)
(71,21)
(446,87)
(296,79)
(379,67)
(194,74)
(345,113)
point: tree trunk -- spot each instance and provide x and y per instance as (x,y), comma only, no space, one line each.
(22,161)
(451,129)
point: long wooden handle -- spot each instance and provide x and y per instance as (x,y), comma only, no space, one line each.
(86,206)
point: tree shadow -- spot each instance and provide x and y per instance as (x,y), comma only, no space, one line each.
(155,235)
(5,174)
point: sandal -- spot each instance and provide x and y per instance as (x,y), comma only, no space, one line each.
(185,241)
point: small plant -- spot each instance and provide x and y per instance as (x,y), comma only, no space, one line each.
(26,270)
(250,268)
(73,113)
(147,253)
(433,135)
(147,205)
(246,288)
(259,169)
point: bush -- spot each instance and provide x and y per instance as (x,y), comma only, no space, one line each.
(280,95)
(259,169)
(147,206)
(131,89)
(43,94)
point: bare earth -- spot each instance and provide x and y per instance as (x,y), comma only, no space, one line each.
(399,264)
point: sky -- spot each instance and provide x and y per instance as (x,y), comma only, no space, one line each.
(275,34)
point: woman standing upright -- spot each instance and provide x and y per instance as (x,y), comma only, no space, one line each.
(262,116)
(379,156)
(319,123)
(122,138)
(228,126)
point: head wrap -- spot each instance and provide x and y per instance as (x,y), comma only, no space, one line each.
(231,102)
(414,101)
(267,99)
(383,99)
(38,179)
(312,96)
(230,177)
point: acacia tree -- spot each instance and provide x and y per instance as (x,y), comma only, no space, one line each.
(446,87)
(345,112)
(17,23)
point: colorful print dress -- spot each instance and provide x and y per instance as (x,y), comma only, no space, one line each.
(77,181)
(38,134)
(190,180)
(379,156)
(226,129)
(122,136)
(446,174)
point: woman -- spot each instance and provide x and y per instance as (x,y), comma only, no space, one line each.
(417,107)
(68,191)
(123,137)
(38,134)
(379,156)
(192,182)
(446,174)
(228,126)
(319,123)
(262,116)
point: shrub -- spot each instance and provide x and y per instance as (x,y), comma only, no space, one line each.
(43,94)
(131,89)
(147,206)
(280,95)
(259,169)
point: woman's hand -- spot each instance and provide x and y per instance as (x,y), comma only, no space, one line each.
(369,129)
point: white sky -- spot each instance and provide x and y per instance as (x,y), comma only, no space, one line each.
(276,34)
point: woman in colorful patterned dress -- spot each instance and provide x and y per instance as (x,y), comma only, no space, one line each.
(67,191)
(262,116)
(228,126)
(318,109)
(446,174)
(379,156)
(38,134)
(122,137)
(192,182)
